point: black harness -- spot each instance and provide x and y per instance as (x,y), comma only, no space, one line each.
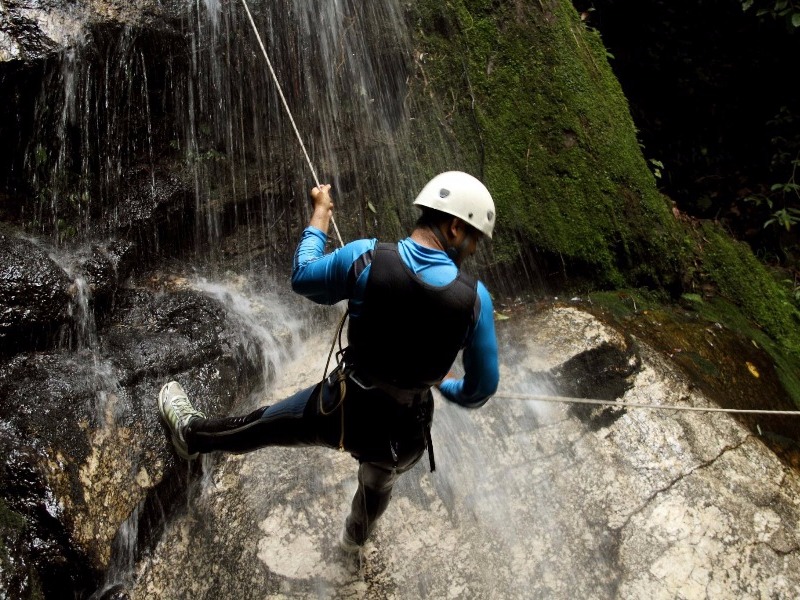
(400,352)
(398,347)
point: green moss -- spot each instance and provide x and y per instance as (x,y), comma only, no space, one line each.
(749,300)
(633,306)
(624,303)
(537,112)
(744,281)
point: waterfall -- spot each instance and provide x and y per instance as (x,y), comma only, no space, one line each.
(342,67)
(176,139)
(197,100)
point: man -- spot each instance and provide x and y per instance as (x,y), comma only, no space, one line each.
(411,310)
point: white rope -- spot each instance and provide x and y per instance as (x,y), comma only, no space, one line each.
(569,400)
(288,111)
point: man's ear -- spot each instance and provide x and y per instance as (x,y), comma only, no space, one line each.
(455,226)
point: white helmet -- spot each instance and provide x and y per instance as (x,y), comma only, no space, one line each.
(461,195)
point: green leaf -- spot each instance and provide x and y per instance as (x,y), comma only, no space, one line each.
(372,207)
(796,19)
(692,297)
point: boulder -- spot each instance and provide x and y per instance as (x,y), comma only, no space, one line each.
(84,455)
(529,499)
(35,294)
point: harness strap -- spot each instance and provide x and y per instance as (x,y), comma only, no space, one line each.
(423,412)
(429,444)
(358,266)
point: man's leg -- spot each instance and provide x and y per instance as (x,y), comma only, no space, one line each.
(370,501)
(375,483)
(388,440)
(295,421)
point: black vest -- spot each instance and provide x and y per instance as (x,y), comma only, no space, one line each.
(409,332)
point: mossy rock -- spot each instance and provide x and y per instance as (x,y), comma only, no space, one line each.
(535,110)
(715,340)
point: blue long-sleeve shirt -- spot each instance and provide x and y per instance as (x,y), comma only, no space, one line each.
(323,278)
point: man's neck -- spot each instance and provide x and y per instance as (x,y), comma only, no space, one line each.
(425,237)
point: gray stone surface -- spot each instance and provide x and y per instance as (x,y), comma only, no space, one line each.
(529,500)
(31,29)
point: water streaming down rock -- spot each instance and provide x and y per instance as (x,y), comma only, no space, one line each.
(173,136)
(268,332)
(89,135)
(342,67)
(195,97)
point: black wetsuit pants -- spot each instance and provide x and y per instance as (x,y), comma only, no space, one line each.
(386,437)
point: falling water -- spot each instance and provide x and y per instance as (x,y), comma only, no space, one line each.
(123,112)
(271,327)
(122,106)
(341,68)
(119,574)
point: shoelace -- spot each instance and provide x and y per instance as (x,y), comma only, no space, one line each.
(183,410)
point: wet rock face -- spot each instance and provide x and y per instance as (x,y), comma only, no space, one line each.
(37,555)
(529,499)
(159,334)
(603,372)
(106,268)
(156,213)
(34,294)
(24,33)
(39,299)
(32,29)
(83,447)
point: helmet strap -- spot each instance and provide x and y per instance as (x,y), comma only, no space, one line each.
(451,251)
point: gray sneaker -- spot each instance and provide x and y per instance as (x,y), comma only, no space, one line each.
(177,411)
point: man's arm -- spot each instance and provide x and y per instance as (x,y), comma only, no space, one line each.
(322,277)
(480,358)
